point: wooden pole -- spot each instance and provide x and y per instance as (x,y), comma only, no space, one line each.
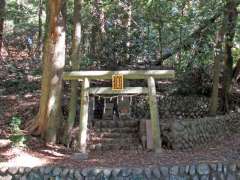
(154,115)
(84,115)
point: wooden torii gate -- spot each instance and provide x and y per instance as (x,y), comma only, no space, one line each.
(149,75)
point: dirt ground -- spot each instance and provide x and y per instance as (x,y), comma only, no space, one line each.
(39,154)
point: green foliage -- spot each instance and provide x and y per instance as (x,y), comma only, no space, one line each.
(172,20)
(17,138)
(22,15)
(157,26)
(86,61)
(15,124)
(194,81)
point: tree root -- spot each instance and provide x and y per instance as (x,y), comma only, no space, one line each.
(33,127)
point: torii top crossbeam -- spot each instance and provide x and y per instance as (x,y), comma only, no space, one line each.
(128,74)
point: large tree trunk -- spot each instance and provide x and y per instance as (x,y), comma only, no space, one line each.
(216,72)
(75,61)
(93,42)
(2,14)
(40,27)
(230,19)
(128,29)
(159,49)
(98,32)
(49,117)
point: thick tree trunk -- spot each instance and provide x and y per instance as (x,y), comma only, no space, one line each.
(216,72)
(93,42)
(40,27)
(159,49)
(75,61)
(2,14)
(230,20)
(49,117)
(101,16)
(98,32)
(128,28)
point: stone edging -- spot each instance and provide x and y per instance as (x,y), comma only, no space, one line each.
(203,171)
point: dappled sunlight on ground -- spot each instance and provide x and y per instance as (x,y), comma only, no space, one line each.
(227,149)
(21,158)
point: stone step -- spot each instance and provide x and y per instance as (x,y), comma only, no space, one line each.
(117,130)
(96,140)
(106,147)
(114,135)
(116,123)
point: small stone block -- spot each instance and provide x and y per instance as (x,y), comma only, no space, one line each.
(148,173)
(116,172)
(156,172)
(48,170)
(203,169)
(164,171)
(56,171)
(96,171)
(78,175)
(80,156)
(86,172)
(213,167)
(137,171)
(195,178)
(204,177)
(231,177)
(233,167)
(13,170)
(107,172)
(219,167)
(3,170)
(23,177)
(65,171)
(126,172)
(7,177)
(174,170)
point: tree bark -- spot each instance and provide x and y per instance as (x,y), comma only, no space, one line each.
(159,49)
(47,123)
(93,42)
(216,72)
(128,29)
(75,61)
(40,27)
(236,71)
(2,14)
(98,32)
(230,19)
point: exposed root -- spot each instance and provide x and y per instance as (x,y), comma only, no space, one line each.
(33,127)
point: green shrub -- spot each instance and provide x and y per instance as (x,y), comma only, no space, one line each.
(15,124)
(17,138)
